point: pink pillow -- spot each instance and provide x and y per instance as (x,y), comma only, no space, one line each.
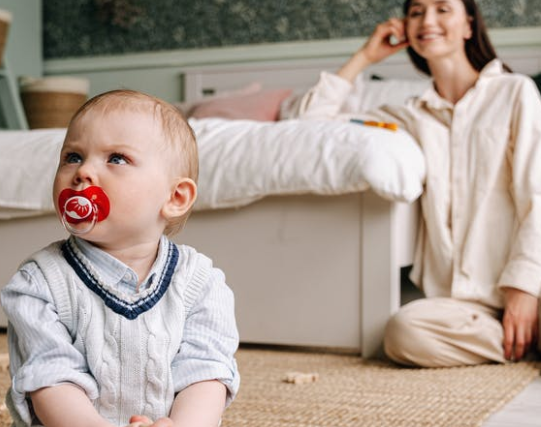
(263,105)
(188,107)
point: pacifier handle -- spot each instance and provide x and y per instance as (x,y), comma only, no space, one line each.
(80,210)
(72,229)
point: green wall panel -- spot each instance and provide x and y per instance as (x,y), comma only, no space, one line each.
(75,28)
(24,42)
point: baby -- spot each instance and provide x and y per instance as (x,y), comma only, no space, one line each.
(117,324)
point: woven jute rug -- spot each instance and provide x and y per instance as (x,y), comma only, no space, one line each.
(350,391)
(344,390)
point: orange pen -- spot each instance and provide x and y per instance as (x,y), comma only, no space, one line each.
(385,125)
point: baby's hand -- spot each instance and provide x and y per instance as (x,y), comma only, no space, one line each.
(143,421)
(139,421)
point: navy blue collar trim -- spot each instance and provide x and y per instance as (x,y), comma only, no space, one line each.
(119,306)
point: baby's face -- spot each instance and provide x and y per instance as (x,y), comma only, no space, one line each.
(123,153)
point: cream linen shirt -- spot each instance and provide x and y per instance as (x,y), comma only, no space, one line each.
(481,207)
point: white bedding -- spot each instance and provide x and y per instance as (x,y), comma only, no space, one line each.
(241,162)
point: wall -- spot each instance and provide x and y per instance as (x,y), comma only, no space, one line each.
(103,27)
(24,46)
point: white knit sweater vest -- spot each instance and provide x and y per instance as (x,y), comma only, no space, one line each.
(129,351)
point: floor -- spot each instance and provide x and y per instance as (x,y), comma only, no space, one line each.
(523,411)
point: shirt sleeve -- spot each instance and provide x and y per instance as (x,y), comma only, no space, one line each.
(523,270)
(330,99)
(324,100)
(210,339)
(40,347)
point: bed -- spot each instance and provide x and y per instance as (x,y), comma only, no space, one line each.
(316,263)
(292,224)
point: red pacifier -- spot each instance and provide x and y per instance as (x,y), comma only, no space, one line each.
(90,205)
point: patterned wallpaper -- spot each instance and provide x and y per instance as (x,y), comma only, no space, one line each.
(100,27)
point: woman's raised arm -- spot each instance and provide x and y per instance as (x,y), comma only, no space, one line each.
(388,38)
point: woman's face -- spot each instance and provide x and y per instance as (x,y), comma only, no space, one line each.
(438,29)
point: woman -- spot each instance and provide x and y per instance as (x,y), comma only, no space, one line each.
(478,256)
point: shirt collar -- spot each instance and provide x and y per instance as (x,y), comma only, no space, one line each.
(115,272)
(431,99)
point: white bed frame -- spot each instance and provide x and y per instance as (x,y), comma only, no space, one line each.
(306,270)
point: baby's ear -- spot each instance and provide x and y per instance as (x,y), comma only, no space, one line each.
(182,199)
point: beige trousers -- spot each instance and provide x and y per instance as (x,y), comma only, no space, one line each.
(444,332)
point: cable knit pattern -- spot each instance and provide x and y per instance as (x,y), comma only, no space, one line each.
(136,359)
(106,367)
(156,371)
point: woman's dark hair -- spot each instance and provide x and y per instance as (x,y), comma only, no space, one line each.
(479,49)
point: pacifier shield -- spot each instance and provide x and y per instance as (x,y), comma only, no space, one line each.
(80,206)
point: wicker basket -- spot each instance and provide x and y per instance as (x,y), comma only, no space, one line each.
(50,102)
(5,22)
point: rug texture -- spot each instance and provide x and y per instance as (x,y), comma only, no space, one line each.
(345,390)
(350,391)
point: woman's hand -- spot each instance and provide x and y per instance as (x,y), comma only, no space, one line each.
(520,323)
(388,38)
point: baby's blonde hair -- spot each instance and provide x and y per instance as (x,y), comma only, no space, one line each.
(178,133)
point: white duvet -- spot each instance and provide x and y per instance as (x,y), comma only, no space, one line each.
(241,162)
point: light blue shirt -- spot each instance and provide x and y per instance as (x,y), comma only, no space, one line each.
(37,338)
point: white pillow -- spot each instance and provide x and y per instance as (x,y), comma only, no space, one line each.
(28,161)
(242,161)
(369,94)
(366,95)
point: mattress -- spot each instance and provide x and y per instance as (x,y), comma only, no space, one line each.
(241,161)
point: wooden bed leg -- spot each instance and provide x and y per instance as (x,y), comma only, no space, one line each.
(380,272)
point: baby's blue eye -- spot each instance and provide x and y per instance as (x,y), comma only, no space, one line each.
(73,158)
(118,159)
